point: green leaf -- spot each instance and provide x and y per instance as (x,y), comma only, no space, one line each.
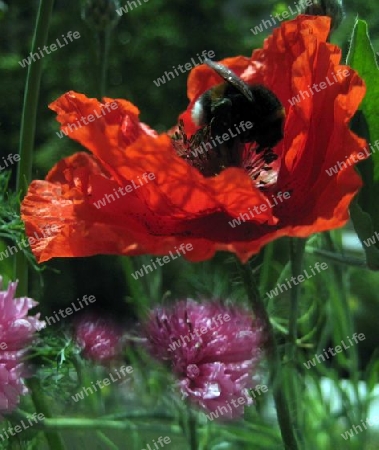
(364,210)
(362,58)
(364,229)
(372,372)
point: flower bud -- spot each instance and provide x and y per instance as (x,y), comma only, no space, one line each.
(101,14)
(331,8)
(99,337)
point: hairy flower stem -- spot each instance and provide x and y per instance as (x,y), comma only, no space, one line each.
(286,422)
(28,126)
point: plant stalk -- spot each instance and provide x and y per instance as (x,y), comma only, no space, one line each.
(274,361)
(28,126)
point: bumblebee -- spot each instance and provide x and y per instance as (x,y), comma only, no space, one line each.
(230,107)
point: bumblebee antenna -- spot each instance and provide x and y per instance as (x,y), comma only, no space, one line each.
(230,77)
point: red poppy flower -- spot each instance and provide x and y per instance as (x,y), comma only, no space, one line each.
(134,194)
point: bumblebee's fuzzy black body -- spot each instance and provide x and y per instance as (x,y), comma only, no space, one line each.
(234,102)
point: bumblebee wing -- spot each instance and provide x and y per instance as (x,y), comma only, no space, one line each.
(230,77)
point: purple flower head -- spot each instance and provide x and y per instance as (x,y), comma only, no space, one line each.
(100,338)
(214,350)
(16,332)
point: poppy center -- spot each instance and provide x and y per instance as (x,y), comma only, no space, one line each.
(211,156)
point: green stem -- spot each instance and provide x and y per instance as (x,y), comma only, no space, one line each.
(266,267)
(105,439)
(297,247)
(24,175)
(337,258)
(54,440)
(274,361)
(192,430)
(342,311)
(81,423)
(135,288)
(297,254)
(104,43)
(28,126)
